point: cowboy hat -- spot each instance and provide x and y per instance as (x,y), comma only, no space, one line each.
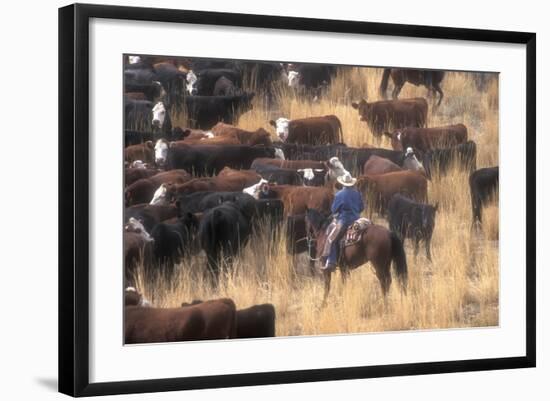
(346,180)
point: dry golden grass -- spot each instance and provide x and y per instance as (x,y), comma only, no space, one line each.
(459,289)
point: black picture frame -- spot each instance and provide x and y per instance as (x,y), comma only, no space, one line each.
(74,200)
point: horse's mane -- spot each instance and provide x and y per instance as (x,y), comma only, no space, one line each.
(317,219)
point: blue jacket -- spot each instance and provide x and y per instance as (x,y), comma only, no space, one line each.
(347,205)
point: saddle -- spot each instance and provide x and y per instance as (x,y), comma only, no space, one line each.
(355,232)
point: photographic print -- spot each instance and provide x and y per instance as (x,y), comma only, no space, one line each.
(284,199)
(272,213)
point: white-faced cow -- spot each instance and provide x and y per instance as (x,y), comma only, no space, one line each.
(309,131)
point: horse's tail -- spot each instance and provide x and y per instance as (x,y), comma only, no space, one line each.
(399,260)
(340,131)
(384,82)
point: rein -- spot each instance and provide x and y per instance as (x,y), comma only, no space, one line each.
(311,241)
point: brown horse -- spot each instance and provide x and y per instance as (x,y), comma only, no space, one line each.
(429,79)
(377,245)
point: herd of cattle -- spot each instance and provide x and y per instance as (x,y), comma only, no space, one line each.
(206,187)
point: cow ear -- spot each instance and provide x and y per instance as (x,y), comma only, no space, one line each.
(272,123)
(355,105)
(149,144)
(388,134)
(172,145)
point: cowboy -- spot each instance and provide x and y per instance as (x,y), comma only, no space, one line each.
(346,209)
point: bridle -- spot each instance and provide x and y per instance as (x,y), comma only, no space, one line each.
(311,243)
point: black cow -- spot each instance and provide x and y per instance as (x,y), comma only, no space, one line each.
(310,76)
(137,75)
(296,234)
(173,240)
(293,151)
(354,159)
(207,79)
(206,111)
(263,74)
(270,210)
(172,80)
(204,64)
(311,177)
(151,90)
(223,231)
(135,137)
(199,202)
(140,116)
(189,203)
(246,202)
(225,87)
(410,219)
(279,175)
(483,186)
(210,159)
(439,161)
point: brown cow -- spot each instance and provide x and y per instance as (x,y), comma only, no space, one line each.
(231,182)
(382,115)
(379,165)
(251,175)
(309,131)
(143,151)
(256,321)
(131,175)
(293,164)
(216,140)
(143,190)
(191,133)
(424,139)
(211,320)
(380,188)
(297,199)
(229,135)
(258,137)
